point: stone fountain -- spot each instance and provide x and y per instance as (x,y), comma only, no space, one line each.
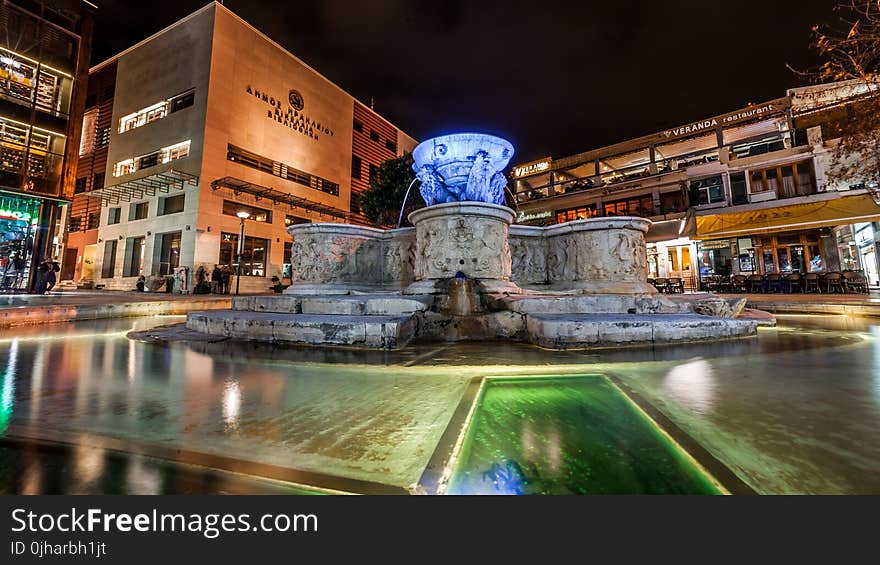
(464,272)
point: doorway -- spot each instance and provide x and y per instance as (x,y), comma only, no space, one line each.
(869,261)
(88,262)
(169,252)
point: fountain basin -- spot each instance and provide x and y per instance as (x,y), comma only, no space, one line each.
(452,156)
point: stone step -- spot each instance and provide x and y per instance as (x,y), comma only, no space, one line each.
(589,304)
(575,331)
(375,332)
(341,305)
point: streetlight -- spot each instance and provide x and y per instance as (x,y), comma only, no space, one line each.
(241,216)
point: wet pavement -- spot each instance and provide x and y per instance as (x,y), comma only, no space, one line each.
(85,409)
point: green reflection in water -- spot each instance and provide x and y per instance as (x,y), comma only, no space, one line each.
(7,387)
(569,435)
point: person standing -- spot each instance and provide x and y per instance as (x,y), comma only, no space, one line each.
(51,268)
(217,280)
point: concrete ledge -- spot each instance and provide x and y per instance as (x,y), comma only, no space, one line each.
(376,332)
(575,331)
(28,315)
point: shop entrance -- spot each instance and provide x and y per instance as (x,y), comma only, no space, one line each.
(18,223)
(678,264)
(90,252)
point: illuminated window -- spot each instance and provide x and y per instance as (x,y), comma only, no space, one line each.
(156,111)
(89,132)
(231,208)
(123,168)
(164,155)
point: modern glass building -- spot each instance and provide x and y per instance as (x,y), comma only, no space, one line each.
(44,54)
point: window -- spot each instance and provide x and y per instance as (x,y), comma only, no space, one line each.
(114,216)
(576,214)
(266,165)
(738,189)
(75,224)
(355,204)
(253,254)
(391,146)
(231,208)
(164,155)
(156,111)
(356,166)
(108,268)
(79,186)
(93,221)
(171,204)
(707,191)
(134,256)
(181,101)
(137,211)
(358,126)
(374,135)
(89,130)
(293,220)
(374,171)
(98,181)
(125,167)
(787,181)
(287,269)
(643,206)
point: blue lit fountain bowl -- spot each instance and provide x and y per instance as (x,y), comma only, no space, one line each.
(452,156)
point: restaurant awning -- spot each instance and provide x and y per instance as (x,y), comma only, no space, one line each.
(666,230)
(831,212)
(238,186)
(137,189)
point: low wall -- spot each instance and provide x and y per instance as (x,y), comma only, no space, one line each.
(596,255)
(341,257)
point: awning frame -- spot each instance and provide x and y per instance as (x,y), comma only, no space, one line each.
(238,186)
(138,189)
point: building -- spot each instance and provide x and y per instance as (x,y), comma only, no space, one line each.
(743,192)
(206,119)
(44,55)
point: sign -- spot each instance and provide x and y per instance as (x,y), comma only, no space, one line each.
(532,168)
(865,236)
(717,244)
(523,217)
(291,115)
(752,112)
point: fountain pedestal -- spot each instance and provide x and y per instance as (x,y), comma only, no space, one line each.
(462,237)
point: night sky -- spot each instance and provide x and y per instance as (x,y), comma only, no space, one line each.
(555,78)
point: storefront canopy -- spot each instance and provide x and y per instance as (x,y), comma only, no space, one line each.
(832,212)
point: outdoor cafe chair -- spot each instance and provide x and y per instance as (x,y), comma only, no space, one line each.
(660,284)
(794,280)
(756,283)
(834,283)
(675,285)
(811,283)
(774,282)
(739,283)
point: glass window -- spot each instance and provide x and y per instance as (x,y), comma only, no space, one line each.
(108,268)
(769,261)
(169,252)
(180,102)
(137,211)
(356,166)
(89,131)
(374,135)
(231,208)
(784,259)
(358,126)
(391,146)
(172,204)
(254,253)
(134,256)
(707,191)
(114,216)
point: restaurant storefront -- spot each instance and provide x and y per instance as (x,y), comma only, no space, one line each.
(19,225)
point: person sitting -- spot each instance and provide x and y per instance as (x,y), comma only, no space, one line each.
(277,287)
(140,284)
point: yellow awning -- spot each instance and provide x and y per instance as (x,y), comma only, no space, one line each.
(833,212)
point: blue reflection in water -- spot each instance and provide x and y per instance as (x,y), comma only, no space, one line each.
(7,397)
(508,478)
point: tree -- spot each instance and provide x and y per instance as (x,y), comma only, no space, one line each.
(850,50)
(381,202)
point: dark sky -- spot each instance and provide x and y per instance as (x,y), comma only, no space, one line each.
(555,78)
